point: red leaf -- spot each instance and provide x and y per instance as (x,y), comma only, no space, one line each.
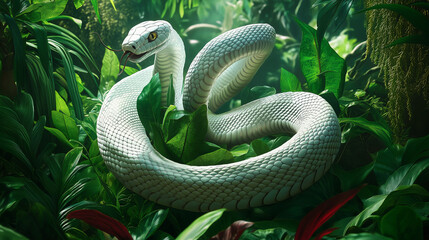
(322,213)
(103,222)
(233,232)
(324,233)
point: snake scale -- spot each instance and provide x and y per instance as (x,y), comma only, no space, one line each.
(219,71)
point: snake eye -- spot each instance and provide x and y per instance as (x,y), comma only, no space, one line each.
(152,36)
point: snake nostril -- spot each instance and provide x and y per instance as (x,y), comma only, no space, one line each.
(133,46)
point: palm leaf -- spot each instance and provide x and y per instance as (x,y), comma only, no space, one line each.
(73,90)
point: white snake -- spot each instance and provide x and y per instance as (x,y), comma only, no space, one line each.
(231,59)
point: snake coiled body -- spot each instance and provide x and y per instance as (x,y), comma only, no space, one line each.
(219,71)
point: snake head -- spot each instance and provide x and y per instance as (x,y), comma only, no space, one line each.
(146,39)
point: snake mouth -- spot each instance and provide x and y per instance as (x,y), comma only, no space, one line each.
(130,56)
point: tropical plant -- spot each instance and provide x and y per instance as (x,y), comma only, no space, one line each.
(52,171)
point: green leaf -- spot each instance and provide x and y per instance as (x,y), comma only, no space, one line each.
(37,134)
(365,236)
(405,195)
(24,108)
(324,18)
(354,177)
(70,76)
(219,156)
(198,227)
(373,204)
(259,147)
(402,223)
(289,82)
(149,103)
(171,93)
(373,127)
(149,224)
(109,70)
(61,105)
(9,234)
(405,175)
(66,125)
(417,39)
(332,100)
(324,69)
(19,69)
(78,3)
(43,10)
(240,150)
(95,6)
(415,149)
(386,162)
(113,4)
(271,233)
(59,135)
(181,9)
(188,143)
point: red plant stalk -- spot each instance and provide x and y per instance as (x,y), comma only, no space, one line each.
(322,213)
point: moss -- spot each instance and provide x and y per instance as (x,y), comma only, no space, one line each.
(405,69)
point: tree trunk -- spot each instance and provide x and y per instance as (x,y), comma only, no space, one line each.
(405,69)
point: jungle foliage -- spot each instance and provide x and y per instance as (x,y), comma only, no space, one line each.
(52,173)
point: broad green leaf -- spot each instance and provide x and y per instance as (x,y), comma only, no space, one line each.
(354,177)
(259,147)
(331,99)
(386,162)
(109,70)
(415,149)
(324,69)
(188,143)
(365,236)
(324,18)
(149,102)
(43,10)
(240,150)
(149,224)
(61,105)
(59,135)
(9,234)
(130,70)
(402,223)
(66,125)
(219,156)
(373,127)
(405,195)
(158,142)
(289,82)
(198,227)
(373,204)
(405,175)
